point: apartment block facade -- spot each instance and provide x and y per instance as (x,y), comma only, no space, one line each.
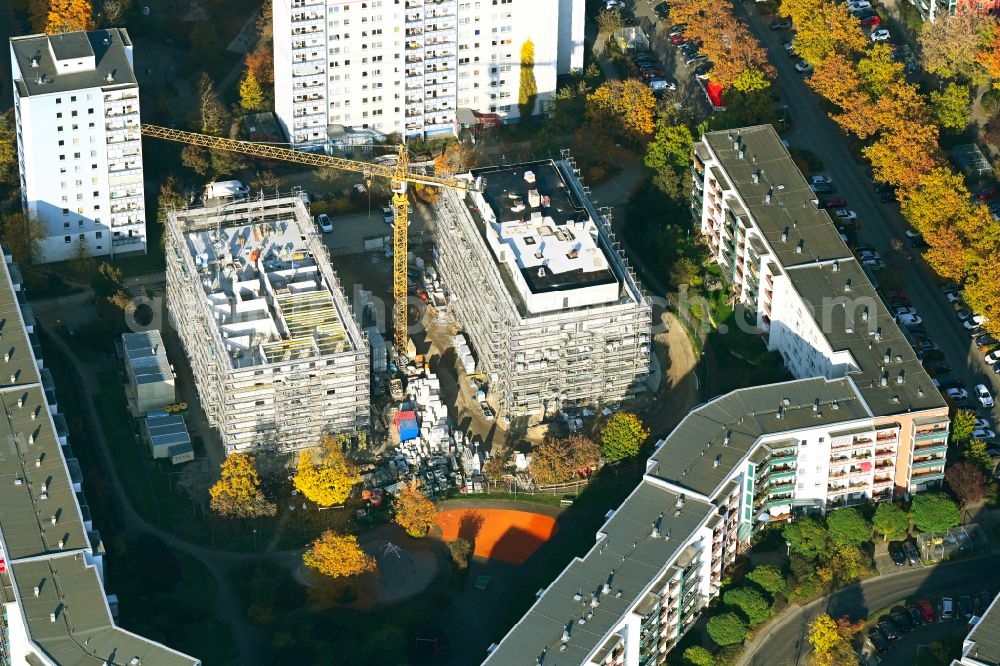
(53,605)
(76,106)
(407,66)
(801,287)
(555,317)
(277,355)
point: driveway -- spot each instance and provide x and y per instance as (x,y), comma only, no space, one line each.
(881,223)
(784,642)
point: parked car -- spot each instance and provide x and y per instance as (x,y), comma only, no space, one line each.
(888,628)
(789,47)
(859,5)
(387,215)
(845,214)
(965,605)
(983,395)
(662,11)
(896,553)
(702,70)
(986,193)
(900,310)
(947,608)
(927,610)
(985,424)
(871,21)
(956,393)
(781,24)
(911,552)
(676,30)
(880,35)
(916,618)
(937,367)
(877,640)
(993,357)
(984,434)
(974,321)
(802,67)
(324,223)
(698,57)
(908,319)
(901,618)
(834,202)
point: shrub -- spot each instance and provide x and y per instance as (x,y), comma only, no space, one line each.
(726,629)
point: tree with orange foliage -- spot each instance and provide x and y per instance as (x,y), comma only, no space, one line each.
(260,63)
(338,556)
(628,104)
(988,56)
(69,16)
(415,512)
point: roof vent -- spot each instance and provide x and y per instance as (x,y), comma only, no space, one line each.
(37,591)
(606,588)
(864,314)
(884,380)
(717,461)
(836,265)
(767,197)
(920,391)
(755,176)
(778,414)
(106,41)
(784,236)
(725,440)
(878,333)
(895,398)
(680,501)
(577,597)
(565,635)
(541,271)
(786,401)
(887,357)
(847,285)
(901,377)
(529,176)
(110,77)
(835,406)
(799,246)
(52,617)
(816,406)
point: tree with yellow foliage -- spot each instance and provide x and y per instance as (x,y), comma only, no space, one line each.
(822,28)
(628,104)
(338,556)
(415,512)
(330,482)
(831,641)
(69,16)
(237,493)
(251,95)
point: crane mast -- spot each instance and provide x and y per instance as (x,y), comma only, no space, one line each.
(398,175)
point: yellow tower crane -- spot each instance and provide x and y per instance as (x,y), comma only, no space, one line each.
(398,175)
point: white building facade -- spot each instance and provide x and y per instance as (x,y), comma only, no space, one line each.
(76,105)
(407,66)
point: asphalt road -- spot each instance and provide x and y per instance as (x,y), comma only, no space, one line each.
(881,223)
(785,644)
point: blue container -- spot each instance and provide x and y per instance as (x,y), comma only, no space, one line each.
(408,429)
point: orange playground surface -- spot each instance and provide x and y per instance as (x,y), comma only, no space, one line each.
(498,534)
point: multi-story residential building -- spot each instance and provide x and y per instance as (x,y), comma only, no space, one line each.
(76,105)
(555,317)
(930,10)
(276,353)
(982,645)
(407,66)
(53,607)
(800,285)
(864,421)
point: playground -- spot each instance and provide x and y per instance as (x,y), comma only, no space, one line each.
(498,534)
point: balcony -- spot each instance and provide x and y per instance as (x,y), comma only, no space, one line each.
(931,433)
(931,447)
(927,464)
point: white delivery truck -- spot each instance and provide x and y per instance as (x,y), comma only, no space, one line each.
(226,189)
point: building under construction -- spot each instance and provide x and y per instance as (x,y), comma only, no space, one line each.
(554,314)
(277,356)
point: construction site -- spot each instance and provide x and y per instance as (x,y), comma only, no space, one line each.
(276,352)
(555,317)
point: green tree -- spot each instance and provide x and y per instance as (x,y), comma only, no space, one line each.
(622,436)
(726,629)
(8,149)
(670,147)
(205,44)
(696,655)
(891,521)
(528,93)
(963,423)
(934,512)
(753,605)
(806,536)
(951,107)
(751,79)
(769,578)
(842,563)
(975,453)
(251,95)
(848,527)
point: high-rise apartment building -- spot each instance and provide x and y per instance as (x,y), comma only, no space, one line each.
(277,355)
(76,105)
(555,316)
(53,606)
(407,66)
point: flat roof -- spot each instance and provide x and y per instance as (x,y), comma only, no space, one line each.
(780,201)
(267,281)
(540,221)
(83,632)
(985,637)
(890,377)
(728,427)
(108,47)
(147,357)
(628,559)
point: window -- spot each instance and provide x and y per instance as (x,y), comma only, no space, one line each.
(67,239)
(59,101)
(73,98)
(65,211)
(83,236)
(61,142)
(98,234)
(90,111)
(65,225)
